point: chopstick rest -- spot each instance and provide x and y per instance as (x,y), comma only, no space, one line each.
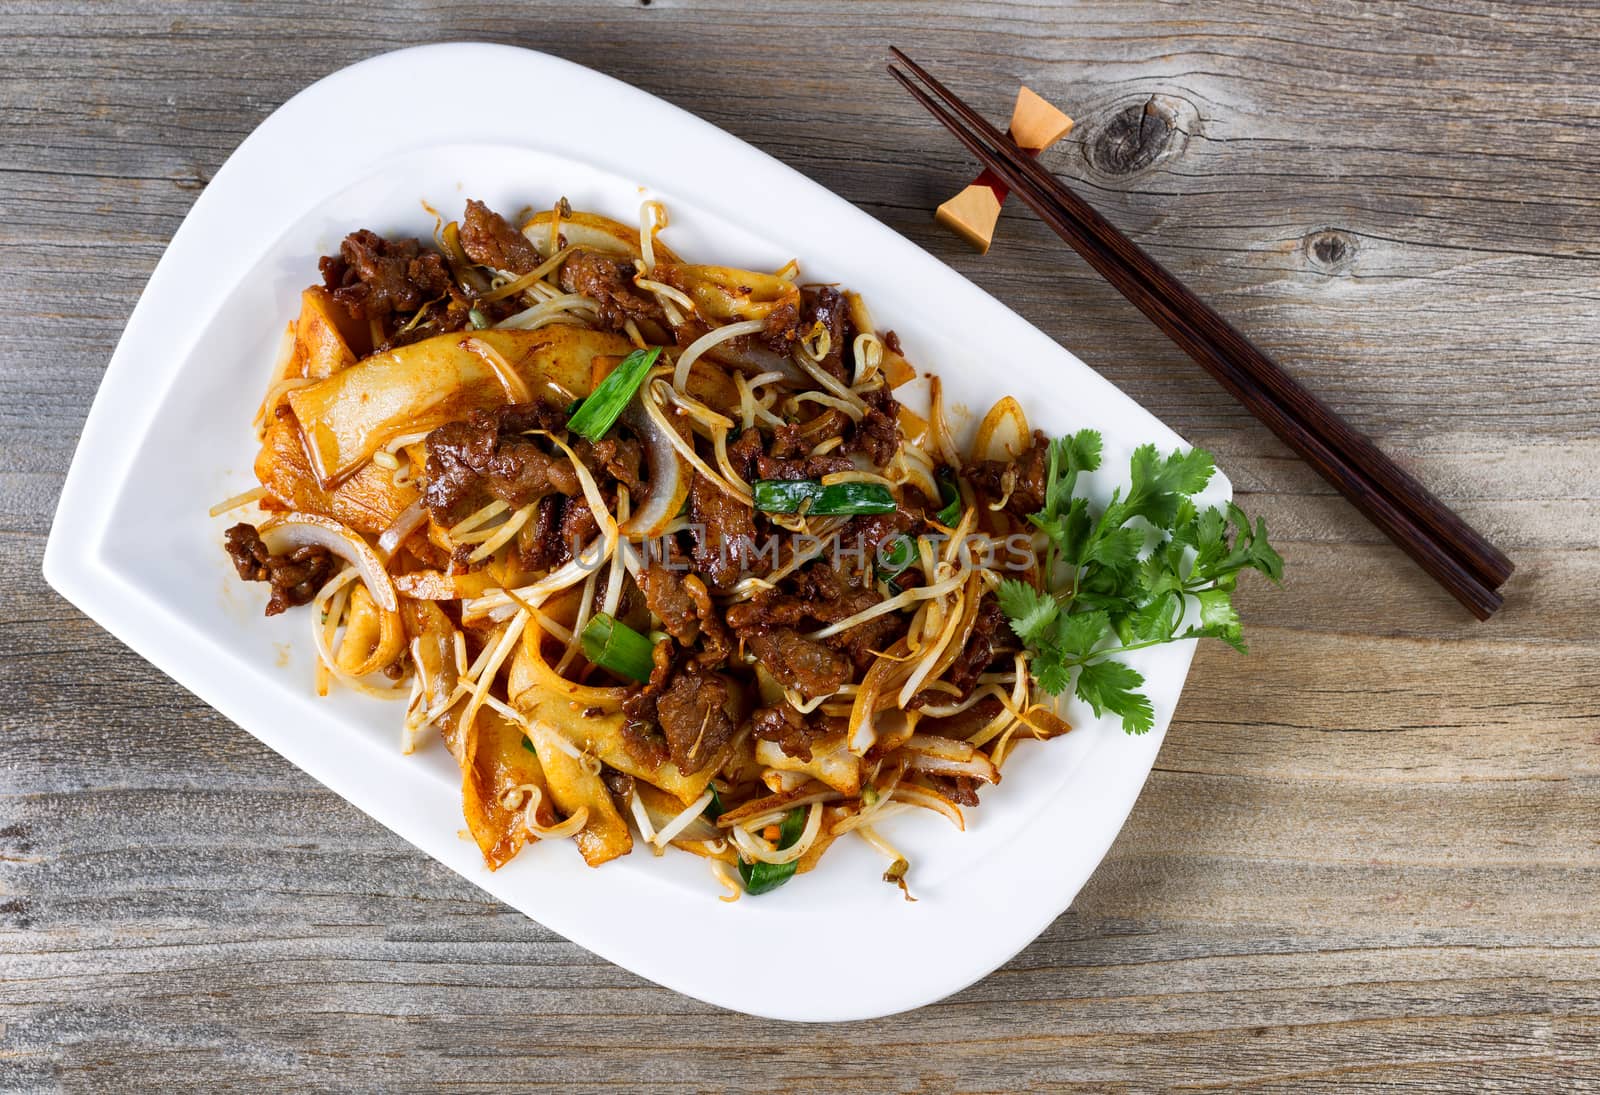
(973,213)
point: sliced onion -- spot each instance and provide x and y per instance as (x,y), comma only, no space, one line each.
(295,530)
(669,478)
(410,520)
(1003,433)
(977,767)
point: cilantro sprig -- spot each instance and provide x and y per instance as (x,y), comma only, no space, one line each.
(1126,578)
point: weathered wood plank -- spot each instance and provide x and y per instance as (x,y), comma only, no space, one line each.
(1367,856)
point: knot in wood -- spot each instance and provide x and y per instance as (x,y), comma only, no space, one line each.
(1330,250)
(1138,135)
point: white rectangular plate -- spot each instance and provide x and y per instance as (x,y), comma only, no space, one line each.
(169,435)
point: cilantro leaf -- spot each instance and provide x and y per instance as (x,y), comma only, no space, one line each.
(1112,686)
(1030,611)
(1102,586)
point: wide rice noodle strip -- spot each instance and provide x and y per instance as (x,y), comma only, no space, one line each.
(1044,723)
(356,411)
(692,353)
(503,787)
(569,709)
(575,786)
(676,297)
(754,848)
(516,388)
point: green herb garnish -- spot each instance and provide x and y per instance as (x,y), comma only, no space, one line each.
(613,645)
(600,411)
(811,497)
(760,878)
(1100,585)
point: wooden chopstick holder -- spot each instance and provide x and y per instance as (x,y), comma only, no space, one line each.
(973,213)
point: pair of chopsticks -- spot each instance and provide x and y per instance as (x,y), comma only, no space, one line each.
(1450,550)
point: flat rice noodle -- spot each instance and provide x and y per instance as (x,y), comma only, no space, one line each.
(1003,434)
(591,718)
(326,337)
(728,294)
(605,834)
(350,415)
(601,735)
(594,232)
(831,762)
(432,642)
(362,632)
(434,585)
(367,501)
(494,761)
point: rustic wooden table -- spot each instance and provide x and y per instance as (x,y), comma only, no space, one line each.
(1369,854)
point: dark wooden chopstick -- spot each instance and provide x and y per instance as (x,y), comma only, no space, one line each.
(1438,539)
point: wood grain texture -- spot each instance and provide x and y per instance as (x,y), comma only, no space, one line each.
(1369,854)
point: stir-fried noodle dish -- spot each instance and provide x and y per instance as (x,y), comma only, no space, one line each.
(655,549)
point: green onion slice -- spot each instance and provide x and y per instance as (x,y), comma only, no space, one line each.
(613,645)
(477,318)
(950,495)
(760,878)
(600,411)
(896,555)
(811,497)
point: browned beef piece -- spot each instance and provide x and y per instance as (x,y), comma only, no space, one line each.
(991,635)
(797,662)
(539,541)
(491,240)
(872,531)
(801,467)
(961,790)
(793,732)
(487,455)
(781,329)
(725,548)
(375,278)
(827,306)
(1024,477)
(578,526)
(613,458)
(295,576)
(609,282)
(664,593)
(693,717)
(641,734)
(877,435)
(744,451)
(767,609)
(684,605)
